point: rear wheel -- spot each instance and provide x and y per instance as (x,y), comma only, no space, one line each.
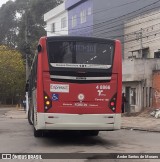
(38,133)
(94,133)
(30,115)
(90,133)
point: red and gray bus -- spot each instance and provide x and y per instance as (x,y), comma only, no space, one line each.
(76,84)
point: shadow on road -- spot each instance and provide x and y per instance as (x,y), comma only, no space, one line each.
(76,139)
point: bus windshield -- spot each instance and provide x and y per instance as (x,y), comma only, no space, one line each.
(78,53)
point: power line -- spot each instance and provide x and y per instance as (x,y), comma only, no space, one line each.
(149,15)
(132,16)
(121,24)
(111,21)
(152,40)
(103,10)
(134,32)
(129,25)
(150,33)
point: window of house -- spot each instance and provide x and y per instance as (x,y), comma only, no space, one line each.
(63,22)
(74,21)
(157,54)
(133,96)
(144,53)
(53,27)
(89,11)
(83,16)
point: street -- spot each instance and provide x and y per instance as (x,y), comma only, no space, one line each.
(16,136)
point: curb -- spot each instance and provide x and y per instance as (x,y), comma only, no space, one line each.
(140,129)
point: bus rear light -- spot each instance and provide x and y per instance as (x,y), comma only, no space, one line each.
(45,97)
(112,103)
(47,103)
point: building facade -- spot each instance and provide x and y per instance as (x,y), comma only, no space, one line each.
(142,64)
(104,18)
(119,20)
(80,17)
(142,36)
(57,21)
(141,83)
(156,87)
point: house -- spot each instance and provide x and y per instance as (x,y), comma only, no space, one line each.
(57,21)
(141,66)
(135,24)
(142,36)
(141,80)
(104,18)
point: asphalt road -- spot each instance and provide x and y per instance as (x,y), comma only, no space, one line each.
(16,136)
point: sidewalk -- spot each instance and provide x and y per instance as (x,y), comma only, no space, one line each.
(140,122)
(16,114)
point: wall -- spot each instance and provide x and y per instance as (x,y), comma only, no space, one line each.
(142,32)
(81,29)
(137,74)
(139,69)
(156,87)
(70,3)
(110,15)
(55,16)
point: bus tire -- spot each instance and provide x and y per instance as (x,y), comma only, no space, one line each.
(90,133)
(38,133)
(94,133)
(29,117)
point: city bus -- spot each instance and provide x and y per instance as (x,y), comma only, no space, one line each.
(75,84)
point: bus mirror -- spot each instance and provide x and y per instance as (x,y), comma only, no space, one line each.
(39,48)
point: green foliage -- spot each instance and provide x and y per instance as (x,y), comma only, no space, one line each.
(8,24)
(12,73)
(23,31)
(21,26)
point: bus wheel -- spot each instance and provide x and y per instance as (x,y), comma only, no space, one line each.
(93,133)
(38,133)
(90,133)
(29,117)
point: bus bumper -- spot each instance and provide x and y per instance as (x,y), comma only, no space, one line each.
(48,121)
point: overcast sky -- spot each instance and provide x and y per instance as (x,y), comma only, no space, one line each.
(2,2)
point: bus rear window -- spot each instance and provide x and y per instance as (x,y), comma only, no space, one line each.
(81,52)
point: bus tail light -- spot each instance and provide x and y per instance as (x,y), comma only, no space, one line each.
(112,103)
(47,102)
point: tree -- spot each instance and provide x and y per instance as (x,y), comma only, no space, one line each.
(8,24)
(12,74)
(32,25)
(22,24)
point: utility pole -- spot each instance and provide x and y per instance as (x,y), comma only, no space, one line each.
(141,45)
(27,67)
(139,37)
(26,42)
